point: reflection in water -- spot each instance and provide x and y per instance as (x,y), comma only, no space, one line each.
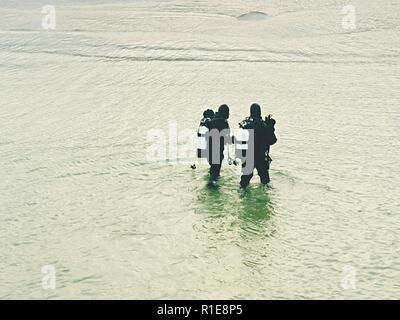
(256,227)
(212,200)
(250,210)
(237,223)
(256,205)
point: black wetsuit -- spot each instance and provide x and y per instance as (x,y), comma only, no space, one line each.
(264,137)
(215,160)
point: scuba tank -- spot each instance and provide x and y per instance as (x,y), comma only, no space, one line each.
(242,143)
(202,141)
(202,134)
(242,139)
(270,122)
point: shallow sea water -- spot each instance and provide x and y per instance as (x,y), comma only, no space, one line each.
(77,191)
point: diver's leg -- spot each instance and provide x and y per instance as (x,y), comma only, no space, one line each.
(262,170)
(214,171)
(245,178)
(218,170)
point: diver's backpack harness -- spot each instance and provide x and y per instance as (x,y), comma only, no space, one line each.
(246,134)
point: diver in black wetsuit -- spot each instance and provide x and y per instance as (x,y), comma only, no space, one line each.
(218,136)
(262,136)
